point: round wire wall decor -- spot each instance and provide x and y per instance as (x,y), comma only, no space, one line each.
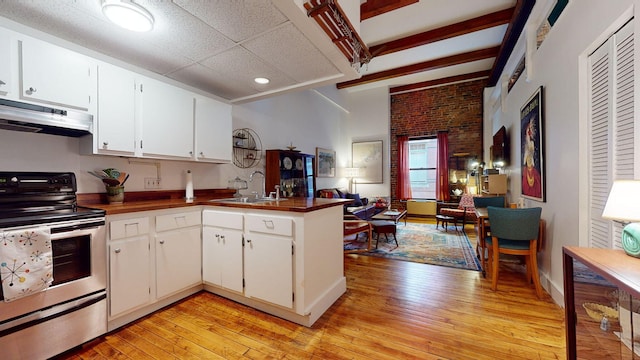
(247,148)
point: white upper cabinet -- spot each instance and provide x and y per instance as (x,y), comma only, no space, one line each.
(5,62)
(167,120)
(213,130)
(116,111)
(54,75)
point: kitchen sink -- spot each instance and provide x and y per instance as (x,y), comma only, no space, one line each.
(246,200)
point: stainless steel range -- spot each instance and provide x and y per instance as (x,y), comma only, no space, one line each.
(71,309)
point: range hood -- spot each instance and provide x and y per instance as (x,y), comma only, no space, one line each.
(19,116)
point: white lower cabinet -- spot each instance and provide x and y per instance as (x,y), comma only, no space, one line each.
(129,265)
(291,263)
(268,268)
(155,259)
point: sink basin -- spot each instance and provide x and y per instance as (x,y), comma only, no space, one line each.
(246,200)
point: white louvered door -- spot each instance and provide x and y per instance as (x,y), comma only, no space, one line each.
(612,130)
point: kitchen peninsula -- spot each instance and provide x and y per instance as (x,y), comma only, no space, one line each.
(282,257)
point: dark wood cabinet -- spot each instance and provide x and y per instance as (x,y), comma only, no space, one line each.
(602,291)
(293,171)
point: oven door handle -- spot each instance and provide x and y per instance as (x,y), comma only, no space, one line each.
(16,324)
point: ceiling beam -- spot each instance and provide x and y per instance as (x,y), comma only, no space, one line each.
(462,28)
(436,82)
(371,8)
(423,66)
(520,15)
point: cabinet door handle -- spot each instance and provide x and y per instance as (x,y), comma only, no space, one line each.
(2,82)
(31,90)
(117,251)
(201,154)
(105,144)
(161,242)
(249,241)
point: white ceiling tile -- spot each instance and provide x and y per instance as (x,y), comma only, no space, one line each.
(288,50)
(238,20)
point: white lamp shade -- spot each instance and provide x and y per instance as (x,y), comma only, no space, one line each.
(351,172)
(623,203)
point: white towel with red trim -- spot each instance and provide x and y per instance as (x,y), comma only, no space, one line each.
(26,262)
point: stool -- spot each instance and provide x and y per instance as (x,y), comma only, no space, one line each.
(446,220)
(384,227)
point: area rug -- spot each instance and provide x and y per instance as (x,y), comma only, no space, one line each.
(423,243)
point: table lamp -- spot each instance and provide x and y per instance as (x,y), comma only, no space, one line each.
(623,206)
(352,173)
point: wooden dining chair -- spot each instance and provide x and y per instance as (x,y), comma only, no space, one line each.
(356,227)
(483,227)
(514,232)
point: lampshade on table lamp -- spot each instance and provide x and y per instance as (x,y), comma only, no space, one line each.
(623,205)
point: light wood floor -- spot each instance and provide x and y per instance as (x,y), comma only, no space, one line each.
(391,310)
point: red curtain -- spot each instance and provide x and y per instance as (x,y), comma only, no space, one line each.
(442,167)
(404,181)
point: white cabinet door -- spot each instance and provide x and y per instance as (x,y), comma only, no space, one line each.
(116,111)
(129,277)
(222,257)
(178,260)
(268,268)
(213,129)
(5,62)
(167,120)
(54,75)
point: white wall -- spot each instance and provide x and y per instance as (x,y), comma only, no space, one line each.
(556,67)
(307,119)
(369,120)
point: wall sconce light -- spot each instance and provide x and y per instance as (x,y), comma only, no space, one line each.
(128,15)
(623,206)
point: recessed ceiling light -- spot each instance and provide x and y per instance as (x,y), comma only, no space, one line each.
(127,14)
(261,80)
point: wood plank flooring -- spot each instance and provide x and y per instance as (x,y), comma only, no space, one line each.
(391,310)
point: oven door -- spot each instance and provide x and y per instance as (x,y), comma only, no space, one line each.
(79,268)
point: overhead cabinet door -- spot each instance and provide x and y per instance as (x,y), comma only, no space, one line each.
(167,120)
(55,75)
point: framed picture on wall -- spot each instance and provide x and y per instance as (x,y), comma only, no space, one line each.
(367,157)
(532,143)
(325,162)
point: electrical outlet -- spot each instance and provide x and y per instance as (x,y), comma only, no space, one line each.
(151,183)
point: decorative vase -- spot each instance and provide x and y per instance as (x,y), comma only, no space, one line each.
(115,194)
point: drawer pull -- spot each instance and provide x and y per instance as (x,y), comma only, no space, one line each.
(268,224)
(117,251)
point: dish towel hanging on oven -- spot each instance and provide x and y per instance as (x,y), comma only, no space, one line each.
(26,262)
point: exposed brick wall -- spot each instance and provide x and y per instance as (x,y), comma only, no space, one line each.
(456,108)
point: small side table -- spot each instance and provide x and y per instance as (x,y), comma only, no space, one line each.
(446,220)
(384,227)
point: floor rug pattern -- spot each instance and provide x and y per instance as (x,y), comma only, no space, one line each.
(423,243)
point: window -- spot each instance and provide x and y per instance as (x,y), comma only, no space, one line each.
(423,157)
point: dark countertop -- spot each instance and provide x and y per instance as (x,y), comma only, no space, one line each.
(159,200)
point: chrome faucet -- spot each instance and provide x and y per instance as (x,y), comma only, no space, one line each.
(263,194)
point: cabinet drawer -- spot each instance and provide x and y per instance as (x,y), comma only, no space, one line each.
(270,225)
(177,221)
(121,229)
(222,219)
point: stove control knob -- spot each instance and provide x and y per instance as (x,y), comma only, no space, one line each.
(14,179)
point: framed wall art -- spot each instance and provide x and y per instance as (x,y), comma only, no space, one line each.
(532,143)
(367,157)
(325,162)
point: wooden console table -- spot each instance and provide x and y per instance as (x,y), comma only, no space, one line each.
(606,279)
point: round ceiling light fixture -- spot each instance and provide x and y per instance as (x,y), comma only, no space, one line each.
(128,15)
(261,80)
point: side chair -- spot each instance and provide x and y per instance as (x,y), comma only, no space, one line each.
(514,232)
(483,227)
(356,227)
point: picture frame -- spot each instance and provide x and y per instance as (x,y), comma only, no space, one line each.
(532,147)
(325,162)
(367,157)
